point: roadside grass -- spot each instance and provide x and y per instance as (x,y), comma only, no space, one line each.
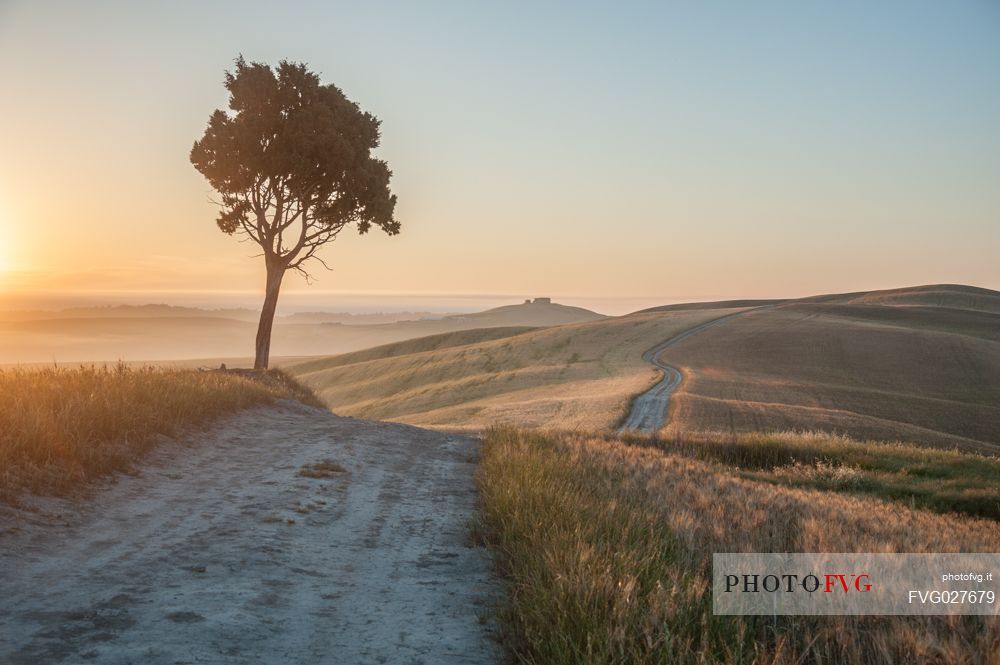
(60,428)
(932,478)
(607,551)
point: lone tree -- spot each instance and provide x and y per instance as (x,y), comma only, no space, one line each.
(293,165)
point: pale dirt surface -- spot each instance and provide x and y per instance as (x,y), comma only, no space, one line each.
(220,553)
(650,409)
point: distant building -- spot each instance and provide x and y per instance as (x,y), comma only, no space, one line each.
(542,301)
(527,301)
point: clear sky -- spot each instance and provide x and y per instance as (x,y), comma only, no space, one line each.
(578,149)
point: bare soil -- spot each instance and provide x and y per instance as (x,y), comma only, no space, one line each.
(221,550)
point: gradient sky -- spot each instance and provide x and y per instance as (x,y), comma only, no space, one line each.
(660,150)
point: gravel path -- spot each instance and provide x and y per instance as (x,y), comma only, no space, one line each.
(221,552)
(650,409)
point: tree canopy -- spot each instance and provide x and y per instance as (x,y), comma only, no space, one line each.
(292,162)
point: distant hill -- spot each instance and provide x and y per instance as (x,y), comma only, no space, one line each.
(532,313)
(935,295)
(162,332)
(954,296)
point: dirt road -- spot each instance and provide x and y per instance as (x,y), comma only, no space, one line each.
(222,552)
(650,409)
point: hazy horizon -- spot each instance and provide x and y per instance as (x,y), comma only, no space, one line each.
(309,300)
(316,300)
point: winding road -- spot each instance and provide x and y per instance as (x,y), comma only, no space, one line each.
(650,409)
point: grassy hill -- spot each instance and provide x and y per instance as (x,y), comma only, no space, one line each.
(920,365)
(881,365)
(574,376)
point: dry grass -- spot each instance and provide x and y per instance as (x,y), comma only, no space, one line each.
(62,427)
(608,547)
(928,375)
(573,376)
(940,480)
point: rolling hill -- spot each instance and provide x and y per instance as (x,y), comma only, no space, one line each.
(919,364)
(576,376)
(881,365)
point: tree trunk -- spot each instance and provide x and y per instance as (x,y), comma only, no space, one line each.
(274,275)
